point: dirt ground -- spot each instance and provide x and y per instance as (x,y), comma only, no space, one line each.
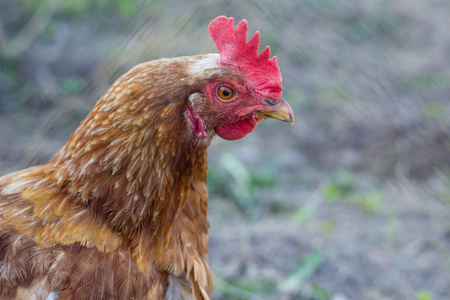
(352,202)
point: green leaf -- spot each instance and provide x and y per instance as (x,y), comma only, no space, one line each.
(126,8)
(305,269)
(242,191)
(73,85)
(371,202)
(341,185)
(319,293)
(305,215)
(434,111)
(424,295)
(333,192)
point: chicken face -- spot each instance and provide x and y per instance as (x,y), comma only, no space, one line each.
(243,86)
(233,109)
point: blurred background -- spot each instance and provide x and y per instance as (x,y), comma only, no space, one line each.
(352,202)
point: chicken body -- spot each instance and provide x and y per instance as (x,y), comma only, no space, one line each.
(120,212)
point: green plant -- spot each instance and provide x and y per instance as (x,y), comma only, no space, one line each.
(424,295)
(371,202)
(341,185)
(73,85)
(306,267)
(252,289)
(305,214)
(434,111)
(231,178)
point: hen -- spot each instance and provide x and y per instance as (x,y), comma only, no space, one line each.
(120,212)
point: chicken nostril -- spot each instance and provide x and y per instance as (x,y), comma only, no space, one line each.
(271,101)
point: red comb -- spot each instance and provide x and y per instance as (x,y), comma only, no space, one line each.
(263,72)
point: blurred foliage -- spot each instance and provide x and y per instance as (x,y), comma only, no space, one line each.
(371,202)
(444,193)
(307,266)
(424,295)
(369,78)
(434,111)
(391,226)
(125,8)
(425,82)
(444,251)
(232,179)
(305,214)
(253,289)
(344,185)
(380,23)
(73,85)
(341,185)
(293,284)
(328,227)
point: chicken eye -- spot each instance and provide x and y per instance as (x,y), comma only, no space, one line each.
(225,93)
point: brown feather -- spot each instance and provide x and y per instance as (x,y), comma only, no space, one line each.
(122,205)
(120,212)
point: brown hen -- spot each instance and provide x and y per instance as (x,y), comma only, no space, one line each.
(120,212)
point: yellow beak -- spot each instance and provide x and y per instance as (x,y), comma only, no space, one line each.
(279,111)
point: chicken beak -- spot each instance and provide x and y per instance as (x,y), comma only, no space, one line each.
(277,110)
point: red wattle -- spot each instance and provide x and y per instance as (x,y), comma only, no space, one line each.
(236,130)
